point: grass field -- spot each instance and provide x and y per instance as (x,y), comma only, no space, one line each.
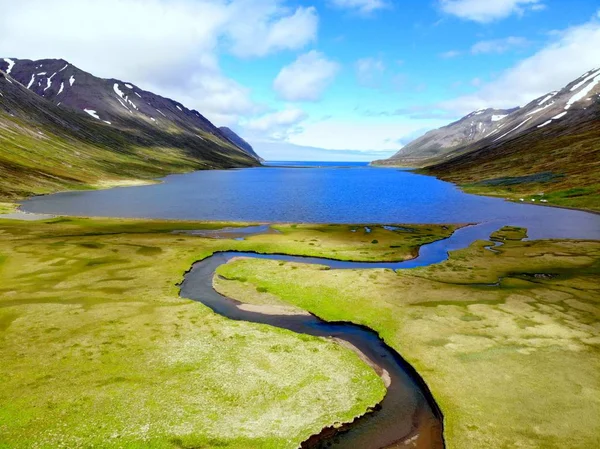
(513,363)
(98,349)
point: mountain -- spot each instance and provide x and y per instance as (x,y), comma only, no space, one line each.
(548,151)
(239,142)
(49,142)
(439,142)
(111,101)
(491,126)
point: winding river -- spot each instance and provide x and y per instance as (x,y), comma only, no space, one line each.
(329,194)
(408,413)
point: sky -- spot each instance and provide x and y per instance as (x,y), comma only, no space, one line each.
(331,80)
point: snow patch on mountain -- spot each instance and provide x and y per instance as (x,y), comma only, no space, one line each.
(62,87)
(561,115)
(49,82)
(129,86)
(514,129)
(31,82)
(92,113)
(10,63)
(124,105)
(594,73)
(118,91)
(71,80)
(585,91)
(497,118)
(545,123)
(540,109)
(551,95)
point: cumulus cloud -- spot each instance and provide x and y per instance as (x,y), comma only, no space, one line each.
(169,47)
(573,52)
(306,78)
(258,31)
(277,125)
(499,45)
(488,10)
(369,71)
(362,6)
(366,134)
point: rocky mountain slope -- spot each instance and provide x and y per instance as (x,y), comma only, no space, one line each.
(554,160)
(439,142)
(56,135)
(492,127)
(109,100)
(238,141)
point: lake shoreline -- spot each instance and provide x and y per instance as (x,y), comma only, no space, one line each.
(357,194)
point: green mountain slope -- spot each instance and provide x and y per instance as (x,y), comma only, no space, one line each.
(558,164)
(45,148)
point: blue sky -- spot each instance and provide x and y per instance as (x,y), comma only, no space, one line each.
(326,79)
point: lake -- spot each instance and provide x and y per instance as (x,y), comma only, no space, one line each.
(316,192)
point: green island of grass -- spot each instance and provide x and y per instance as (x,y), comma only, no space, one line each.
(508,341)
(99,350)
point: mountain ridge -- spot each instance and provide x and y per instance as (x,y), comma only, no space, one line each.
(109,100)
(239,141)
(441,144)
(47,147)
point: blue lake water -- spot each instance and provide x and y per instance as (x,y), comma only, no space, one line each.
(316,192)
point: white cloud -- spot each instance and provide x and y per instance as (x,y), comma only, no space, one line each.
(575,51)
(373,134)
(362,6)
(258,31)
(498,45)
(369,71)
(277,125)
(171,48)
(306,78)
(485,11)
(283,151)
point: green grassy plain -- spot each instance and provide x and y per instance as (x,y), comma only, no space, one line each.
(509,343)
(6,208)
(98,349)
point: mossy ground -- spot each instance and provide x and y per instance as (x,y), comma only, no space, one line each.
(6,208)
(98,349)
(512,364)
